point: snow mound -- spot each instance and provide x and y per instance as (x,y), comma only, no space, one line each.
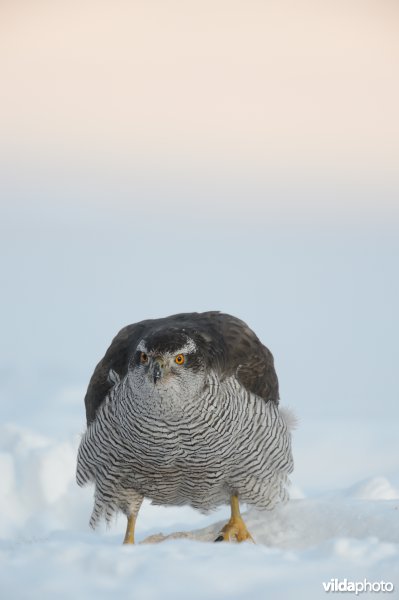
(376,488)
(306,523)
(38,492)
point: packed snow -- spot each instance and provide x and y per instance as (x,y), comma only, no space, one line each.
(47,549)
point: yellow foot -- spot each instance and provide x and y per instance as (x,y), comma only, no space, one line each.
(129,535)
(234,531)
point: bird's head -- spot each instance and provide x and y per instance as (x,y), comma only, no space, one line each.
(168,368)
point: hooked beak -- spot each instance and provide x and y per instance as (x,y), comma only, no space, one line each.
(157,371)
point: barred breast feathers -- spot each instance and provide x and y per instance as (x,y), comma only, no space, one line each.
(228,440)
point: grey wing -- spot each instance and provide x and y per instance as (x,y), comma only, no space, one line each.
(248,359)
(112,366)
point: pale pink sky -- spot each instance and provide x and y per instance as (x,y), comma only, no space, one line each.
(264,80)
(250,86)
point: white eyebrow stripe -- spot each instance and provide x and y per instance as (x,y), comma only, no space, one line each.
(142,347)
(190,346)
(187,348)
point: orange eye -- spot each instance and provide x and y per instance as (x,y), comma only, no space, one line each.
(179,359)
(143,358)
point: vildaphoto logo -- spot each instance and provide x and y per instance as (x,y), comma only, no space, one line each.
(358,587)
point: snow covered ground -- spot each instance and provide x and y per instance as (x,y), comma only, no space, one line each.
(325,532)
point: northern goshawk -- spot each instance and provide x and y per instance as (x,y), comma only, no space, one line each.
(185,410)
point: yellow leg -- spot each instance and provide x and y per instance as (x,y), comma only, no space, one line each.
(235,530)
(129,535)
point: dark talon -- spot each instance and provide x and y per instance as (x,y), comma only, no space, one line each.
(219,539)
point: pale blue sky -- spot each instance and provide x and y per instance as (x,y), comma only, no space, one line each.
(323,296)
